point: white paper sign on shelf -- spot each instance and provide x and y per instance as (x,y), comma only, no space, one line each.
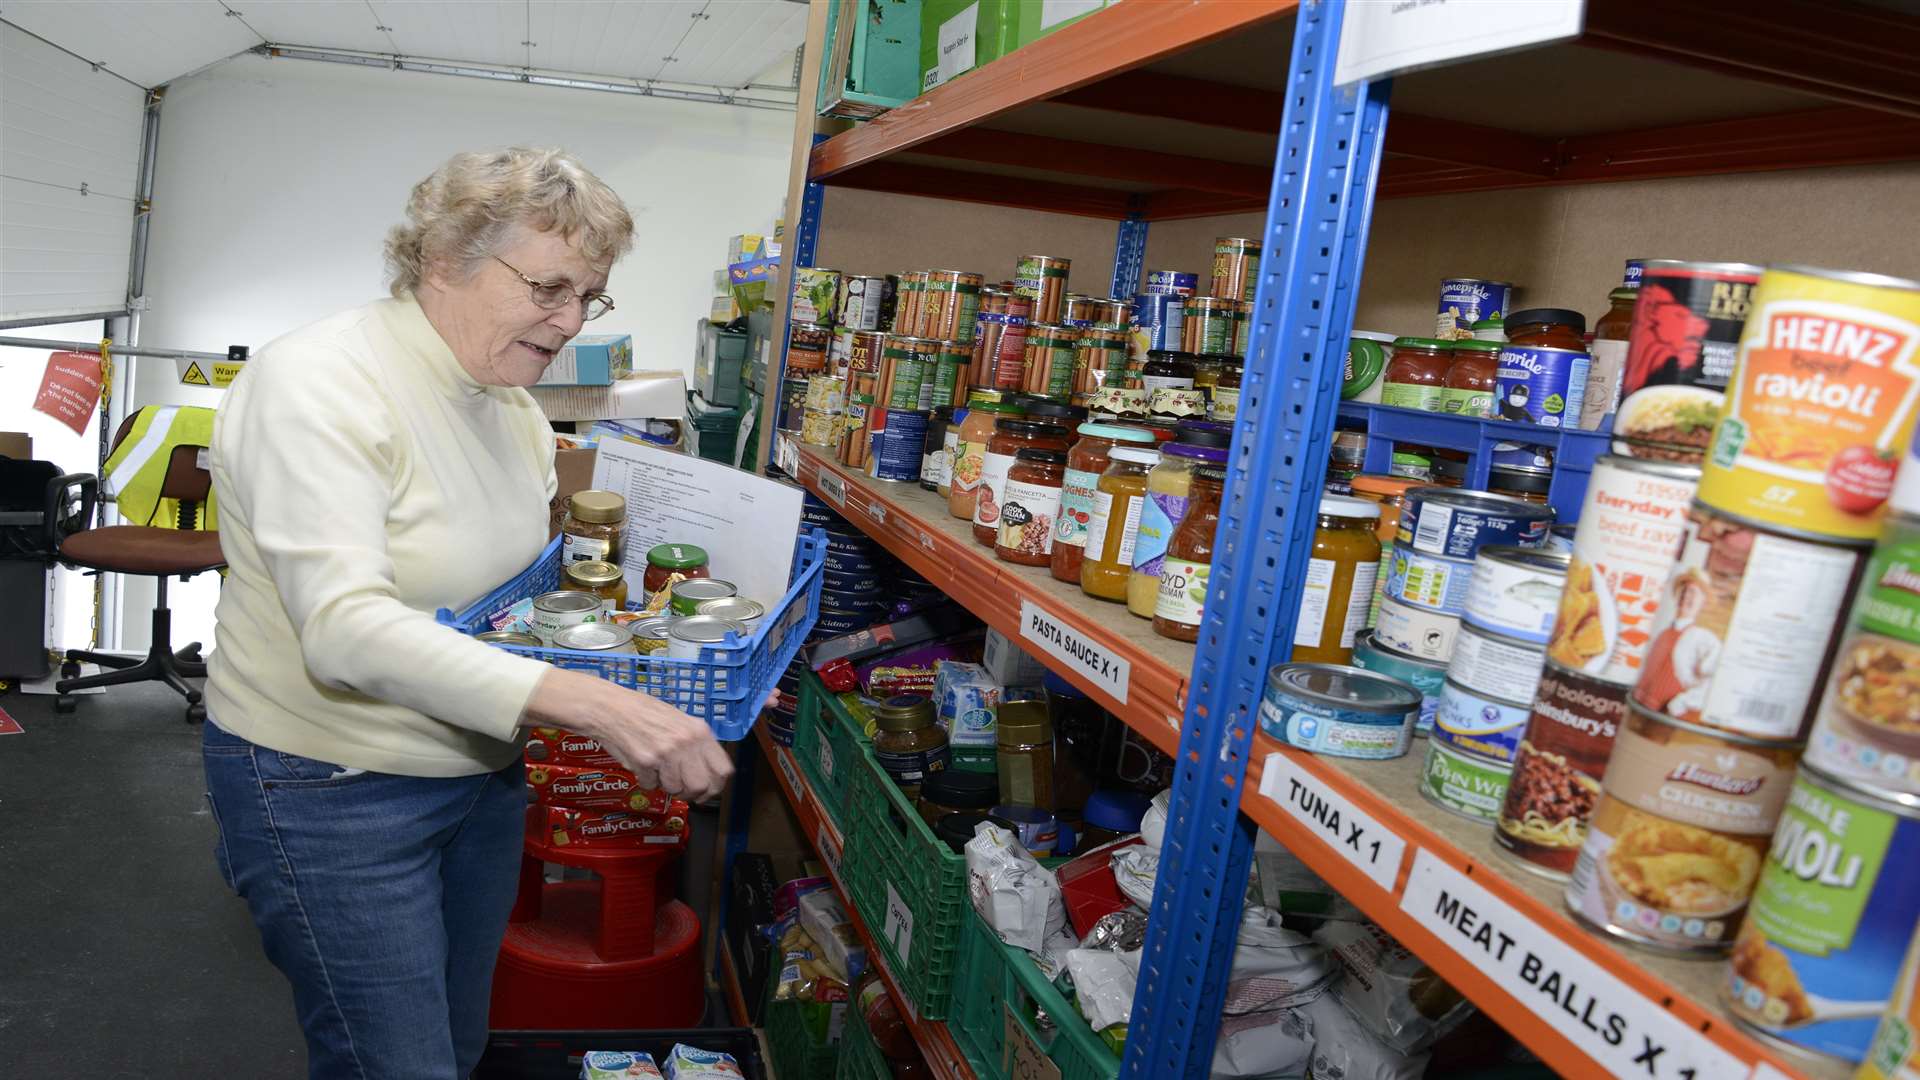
(1055,12)
(834,488)
(897,928)
(1021,1058)
(1624,1032)
(1388,37)
(956,44)
(1372,847)
(1067,645)
(823,842)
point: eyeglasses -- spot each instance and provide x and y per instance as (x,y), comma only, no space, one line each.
(554,295)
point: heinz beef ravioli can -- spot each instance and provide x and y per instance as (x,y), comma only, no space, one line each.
(1830,921)
(1339,710)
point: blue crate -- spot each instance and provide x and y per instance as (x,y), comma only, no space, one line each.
(725,687)
(1574,449)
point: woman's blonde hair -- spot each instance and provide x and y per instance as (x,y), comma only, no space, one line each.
(457,216)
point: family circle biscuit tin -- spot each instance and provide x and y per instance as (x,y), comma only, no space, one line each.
(1470,786)
(1339,710)
(1474,724)
(1515,591)
(1821,402)
(1815,963)
(1631,523)
(1557,770)
(1426,676)
(1868,728)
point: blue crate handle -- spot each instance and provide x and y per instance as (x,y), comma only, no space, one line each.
(726,687)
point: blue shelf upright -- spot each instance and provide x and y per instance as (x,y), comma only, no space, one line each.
(1325,174)
(1129,257)
(806,237)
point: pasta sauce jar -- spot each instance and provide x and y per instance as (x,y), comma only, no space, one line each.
(984,407)
(1416,377)
(1548,328)
(1339,582)
(1166,504)
(1010,436)
(666,560)
(1029,505)
(1116,522)
(1085,462)
(1181,600)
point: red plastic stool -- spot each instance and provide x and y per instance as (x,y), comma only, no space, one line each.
(616,952)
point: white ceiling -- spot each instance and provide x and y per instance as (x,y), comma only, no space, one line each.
(705,42)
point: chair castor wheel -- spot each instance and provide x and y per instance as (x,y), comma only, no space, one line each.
(70,669)
(196,713)
(66,704)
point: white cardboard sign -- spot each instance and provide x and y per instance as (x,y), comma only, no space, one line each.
(1386,37)
(1624,1033)
(1065,644)
(1370,846)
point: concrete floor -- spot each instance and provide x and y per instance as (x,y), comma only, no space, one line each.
(122,953)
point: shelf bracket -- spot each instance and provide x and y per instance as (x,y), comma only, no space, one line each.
(806,237)
(1129,257)
(1325,174)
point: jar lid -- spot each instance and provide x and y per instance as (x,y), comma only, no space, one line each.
(676,556)
(594,574)
(594,637)
(1212,455)
(1210,471)
(1494,323)
(1116,432)
(1421,343)
(1554,316)
(903,712)
(1387,487)
(1346,506)
(1205,433)
(1528,480)
(1115,811)
(1475,345)
(1032,429)
(1134,455)
(1040,456)
(961,788)
(985,398)
(1035,405)
(705,629)
(1374,335)
(1171,355)
(599,507)
(956,829)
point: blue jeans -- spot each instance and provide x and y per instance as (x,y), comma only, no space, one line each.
(382,898)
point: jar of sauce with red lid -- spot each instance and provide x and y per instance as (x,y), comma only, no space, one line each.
(1548,328)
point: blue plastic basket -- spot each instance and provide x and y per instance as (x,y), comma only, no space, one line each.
(726,687)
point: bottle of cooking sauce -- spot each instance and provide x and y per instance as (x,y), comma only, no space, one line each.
(1029,508)
(1116,517)
(1387,491)
(1166,504)
(1085,462)
(1416,377)
(1178,606)
(1548,328)
(1339,582)
(984,407)
(1471,376)
(1608,358)
(1010,436)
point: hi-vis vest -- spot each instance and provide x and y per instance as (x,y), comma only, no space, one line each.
(138,466)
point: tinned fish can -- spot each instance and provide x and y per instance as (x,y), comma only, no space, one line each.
(1558,768)
(1457,524)
(898,444)
(1465,301)
(1630,526)
(816,294)
(1473,723)
(1492,666)
(1538,385)
(1426,676)
(1818,957)
(1043,280)
(1049,360)
(863,301)
(1680,353)
(1515,591)
(1431,582)
(1157,323)
(1868,728)
(1472,787)
(1821,403)
(1206,324)
(1339,710)
(1173,282)
(1236,268)
(1747,627)
(952,302)
(1416,631)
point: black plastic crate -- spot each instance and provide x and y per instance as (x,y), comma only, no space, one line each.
(555,1055)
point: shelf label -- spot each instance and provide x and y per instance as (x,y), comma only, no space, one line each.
(829,854)
(1070,647)
(1020,1059)
(1370,846)
(877,512)
(825,757)
(897,928)
(1624,1032)
(1381,39)
(793,778)
(956,44)
(833,487)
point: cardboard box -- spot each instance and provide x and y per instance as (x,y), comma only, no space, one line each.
(17,445)
(590,360)
(973,33)
(640,395)
(745,246)
(1008,664)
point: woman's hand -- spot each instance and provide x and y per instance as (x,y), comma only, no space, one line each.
(663,746)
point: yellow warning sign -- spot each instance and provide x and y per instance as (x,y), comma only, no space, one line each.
(192,376)
(217,374)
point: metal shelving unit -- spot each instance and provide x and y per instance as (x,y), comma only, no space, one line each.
(1151,111)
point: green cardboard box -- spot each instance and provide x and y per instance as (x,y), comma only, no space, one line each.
(997,28)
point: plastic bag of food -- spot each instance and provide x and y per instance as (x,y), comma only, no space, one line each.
(1390,991)
(1118,932)
(618,1065)
(1344,1048)
(1103,984)
(1153,824)
(692,1063)
(1018,898)
(1273,967)
(1264,1044)
(834,938)
(1134,869)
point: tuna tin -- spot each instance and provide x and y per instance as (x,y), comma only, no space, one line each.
(1415,632)
(1557,770)
(1465,301)
(1469,786)
(898,446)
(1538,385)
(513,638)
(1338,710)
(1425,676)
(1516,592)
(747,613)
(1173,282)
(1457,524)
(1747,627)
(1484,727)
(1868,728)
(1680,352)
(555,611)
(1492,666)
(1630,527)
(1823,942)
(1428,581)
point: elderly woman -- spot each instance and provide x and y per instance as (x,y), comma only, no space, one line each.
(363,762)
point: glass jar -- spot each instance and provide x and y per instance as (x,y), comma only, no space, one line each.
(1520,483)
(1029,508)
(1548,328)
(1608,358)
(949,442)
(1206,374)
(1168,369)
(1085,462)
(1172,405)
(666,560)
(907,742)
(1010,435)
(1416,377)
(1048,411)
(1471,376)
(1447,468)
(1224,406)
(933,450)
(1388,492)
(984,407)
(1023,755)
(955,791)
(602,579)
(1339,581)
(1345,460)
(592,528)
(1494,330)
(1182,596)
(1116,518)
(1166,504)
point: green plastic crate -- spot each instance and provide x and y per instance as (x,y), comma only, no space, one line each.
(998,978)
(797,1054)
(827,743)
(715,431)
(859,1057)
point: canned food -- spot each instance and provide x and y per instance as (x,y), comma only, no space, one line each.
(1236,268)
(1635,268)
(555,611)
(1560,538)
(1630,526)
(1475,724)
(948,380)
(1557,770)
(1747,627)
(1174,282)
(951,304)
(807,347)
(1043,280)
(650,634)
(897,445)
(1895,1051)
(1157,323)
(816,293)
(848,561)
(686,637)
(863,300)
(1206,324)
(1003,342)
(1426,676)
(1868,728)
(1680,352)
(855,436)
(1428,581)
(1539,385)
(1465,301)
(1366,362)
(1817,959)
(863,350)
(1516,591)
(1242,327)
(1668,886)
(1491,666)
(1821,402)
(1339,710)
(1098,355)
(1049,360)
(508,637)
(1414,631)
(747,613)
(1466,785)
(687,596)
(826,393)
(1037,830)
(903,368)
(595,637)
(1457,524)
(819,428)
(1076,311)
(1522,456)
